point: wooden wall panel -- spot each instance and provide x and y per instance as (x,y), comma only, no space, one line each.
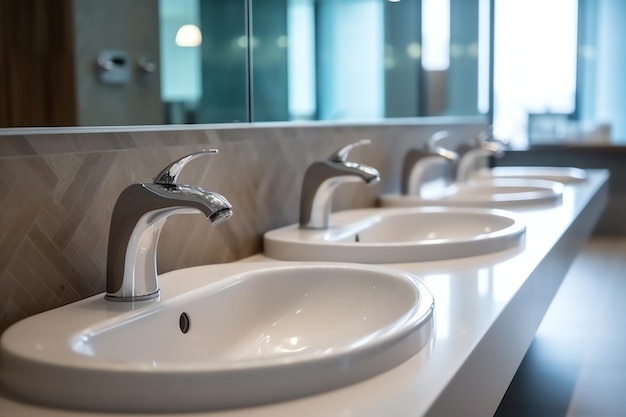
(36,63)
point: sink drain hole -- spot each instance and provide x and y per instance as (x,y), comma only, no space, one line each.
(184,322)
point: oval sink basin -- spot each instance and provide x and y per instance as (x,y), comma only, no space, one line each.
(565,175)
(256,334)
(495,192)
(399,235)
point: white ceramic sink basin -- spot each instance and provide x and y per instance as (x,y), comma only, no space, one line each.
(494,192)
(255,333)
(565,175)
(399,235)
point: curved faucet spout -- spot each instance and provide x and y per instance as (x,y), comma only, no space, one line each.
(418,163)
(417,167)
(321,179)
(136,222)
(475,156)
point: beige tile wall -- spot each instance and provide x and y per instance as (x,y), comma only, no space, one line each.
(57,192)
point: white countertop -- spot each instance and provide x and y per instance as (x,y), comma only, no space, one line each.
(487,310)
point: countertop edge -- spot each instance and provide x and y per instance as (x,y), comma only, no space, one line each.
(525,311)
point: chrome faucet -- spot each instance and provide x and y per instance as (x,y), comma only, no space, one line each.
(140,212)
(475,154)
(321,179)
(418,162)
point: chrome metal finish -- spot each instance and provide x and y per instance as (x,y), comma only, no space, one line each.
(341,154)
(320,181)
(169,175)
(138,215)
(417,163)
(475,155)
(488,136)
(435,147)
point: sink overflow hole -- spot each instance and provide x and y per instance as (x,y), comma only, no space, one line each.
(357,238)
(184,322)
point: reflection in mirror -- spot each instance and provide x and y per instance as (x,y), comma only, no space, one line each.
(130,62)
(122,62)
(224,58)
(369,59)
(117,62)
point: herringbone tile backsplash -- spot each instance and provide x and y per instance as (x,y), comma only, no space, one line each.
(57,193)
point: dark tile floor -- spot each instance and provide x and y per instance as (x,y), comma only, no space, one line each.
(576,365)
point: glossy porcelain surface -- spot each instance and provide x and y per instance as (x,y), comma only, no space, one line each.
(484,305)
(491,192)
(221,336)
(565,175)
(399,235)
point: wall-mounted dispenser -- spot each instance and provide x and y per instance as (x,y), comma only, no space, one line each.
(113,67)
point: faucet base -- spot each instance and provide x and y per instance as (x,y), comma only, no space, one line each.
(151,296)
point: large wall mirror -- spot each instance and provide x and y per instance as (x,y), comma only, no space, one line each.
(147,62)
(134,62)
(368,59)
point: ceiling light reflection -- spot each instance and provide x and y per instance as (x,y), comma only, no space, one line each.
(188,36)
